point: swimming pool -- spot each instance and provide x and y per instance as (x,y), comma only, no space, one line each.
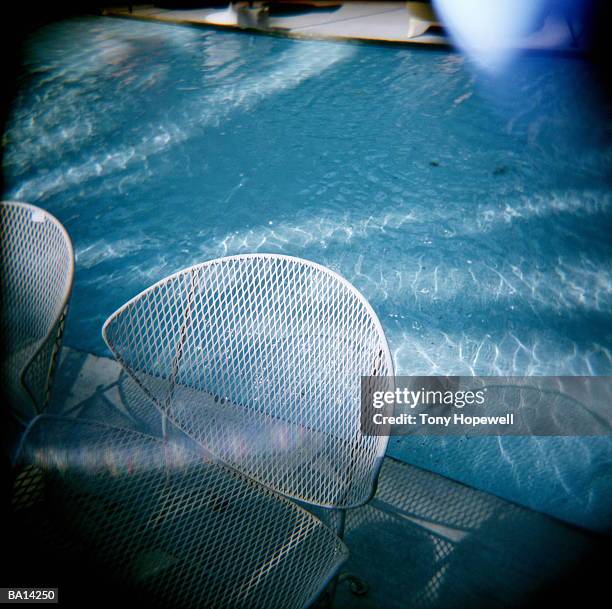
(472,211)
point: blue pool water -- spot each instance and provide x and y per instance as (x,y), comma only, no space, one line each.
(472,210)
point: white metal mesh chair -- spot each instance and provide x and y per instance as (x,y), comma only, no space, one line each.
(37,267)
(259,358)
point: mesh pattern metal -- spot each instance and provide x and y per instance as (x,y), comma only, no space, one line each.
(259,359)
(37,266)
(147,418)
(188,532)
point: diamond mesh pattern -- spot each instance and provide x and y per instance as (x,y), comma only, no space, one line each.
(37,264)
(147,418)
(187,531)
(259,358)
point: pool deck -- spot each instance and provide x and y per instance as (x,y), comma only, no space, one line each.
(390,22)
(423,540)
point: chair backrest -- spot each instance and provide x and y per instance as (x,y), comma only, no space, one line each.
(37,268)
(259,358)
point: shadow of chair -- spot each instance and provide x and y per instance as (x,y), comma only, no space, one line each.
(439,543)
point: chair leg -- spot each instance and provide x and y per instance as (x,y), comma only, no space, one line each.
(341,523)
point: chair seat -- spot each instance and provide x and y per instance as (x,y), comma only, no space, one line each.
(277,453)
(187,530)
